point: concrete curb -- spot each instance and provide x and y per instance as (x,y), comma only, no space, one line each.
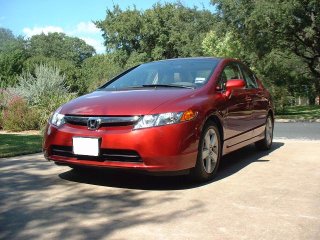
(297,120)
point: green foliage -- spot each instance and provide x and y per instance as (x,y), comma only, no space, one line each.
(45,91)
(46,83)
(12,56)
(19,116)
(263,27)
(67,68)
(2,100)
(48,105)
(222,46)
(6,37)
(2,97)
(135,59)
(164,31)
(55,50)
(1,119)
(60,46)
(98,69)
(122,29)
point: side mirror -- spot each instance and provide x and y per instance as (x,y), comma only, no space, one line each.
(234,84)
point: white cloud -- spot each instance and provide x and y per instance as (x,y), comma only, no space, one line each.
(38,30)
(86,31)
(87,27)
(98,45)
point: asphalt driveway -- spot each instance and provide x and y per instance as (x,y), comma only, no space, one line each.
(297,130)
(271,195)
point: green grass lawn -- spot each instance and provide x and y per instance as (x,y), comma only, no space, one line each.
(14,144)
(300,112)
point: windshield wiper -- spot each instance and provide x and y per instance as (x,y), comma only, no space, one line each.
(167,85)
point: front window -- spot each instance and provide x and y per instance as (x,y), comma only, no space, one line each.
(230,72)
(180,73)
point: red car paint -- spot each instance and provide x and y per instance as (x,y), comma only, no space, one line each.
(240,114)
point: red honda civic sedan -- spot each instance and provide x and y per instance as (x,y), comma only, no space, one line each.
(172,116)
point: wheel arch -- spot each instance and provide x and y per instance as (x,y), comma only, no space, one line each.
(217,119)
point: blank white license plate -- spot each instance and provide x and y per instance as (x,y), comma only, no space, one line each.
(86,146)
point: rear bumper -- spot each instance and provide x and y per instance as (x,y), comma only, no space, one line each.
(159,149)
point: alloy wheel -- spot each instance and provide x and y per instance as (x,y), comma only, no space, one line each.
(269,131)
(210,150)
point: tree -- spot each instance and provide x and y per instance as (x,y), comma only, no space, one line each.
(173,30)
(59,50)
(164,31)
(122,29)
(99,69)
(222,46)
(6,37)
(60,46)
(291,26)
(12,55)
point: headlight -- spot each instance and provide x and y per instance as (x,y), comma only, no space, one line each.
(57,119)
(165,119)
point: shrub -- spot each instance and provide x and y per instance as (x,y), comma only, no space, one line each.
(50,104)
(68,68)
(39,96)
(6,96)
(18,116)
(1,121)
(281,98)
(47,82)
(3,100)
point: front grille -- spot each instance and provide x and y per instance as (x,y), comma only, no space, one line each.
(105,120)
(105,154)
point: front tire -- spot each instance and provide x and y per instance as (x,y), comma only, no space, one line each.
(76,168)
(266,142)
(209,153)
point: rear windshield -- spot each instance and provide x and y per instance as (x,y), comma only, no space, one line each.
(188,73)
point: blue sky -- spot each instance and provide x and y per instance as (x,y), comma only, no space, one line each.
(73,17)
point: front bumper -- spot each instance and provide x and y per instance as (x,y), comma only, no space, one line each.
(159,149)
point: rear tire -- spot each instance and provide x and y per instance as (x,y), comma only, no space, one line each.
(209,153)
(266,142)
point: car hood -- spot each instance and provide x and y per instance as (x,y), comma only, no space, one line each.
(122,103)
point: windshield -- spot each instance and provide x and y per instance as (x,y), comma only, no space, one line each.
(180,73)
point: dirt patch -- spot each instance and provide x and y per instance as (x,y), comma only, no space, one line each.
(30,132)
